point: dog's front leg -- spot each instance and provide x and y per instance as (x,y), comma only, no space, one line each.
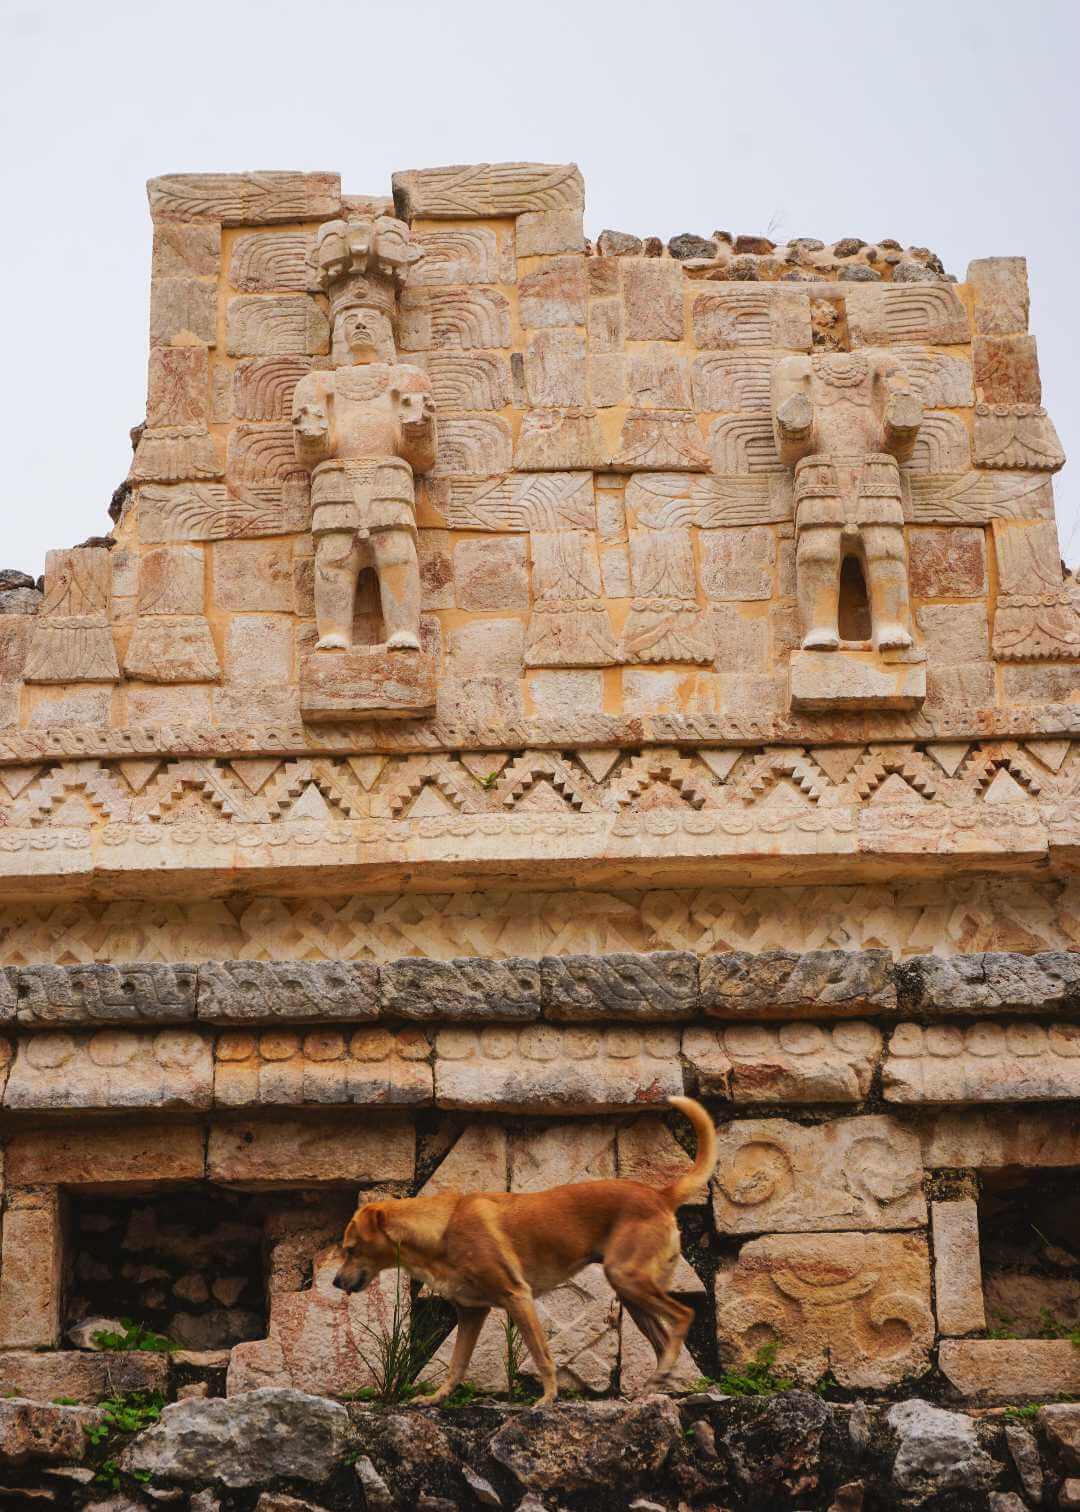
(470,1320)
(523,1312)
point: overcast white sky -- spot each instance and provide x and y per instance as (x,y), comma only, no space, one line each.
(952,126)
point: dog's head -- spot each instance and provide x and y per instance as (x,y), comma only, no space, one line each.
(367,1247)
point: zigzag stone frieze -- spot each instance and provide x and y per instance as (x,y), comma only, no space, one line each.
(672,986)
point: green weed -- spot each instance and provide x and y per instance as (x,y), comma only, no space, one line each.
(134,1336)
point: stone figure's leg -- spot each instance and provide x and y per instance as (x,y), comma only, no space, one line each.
(817,568)
(337,563)
(399,587)
(887,585)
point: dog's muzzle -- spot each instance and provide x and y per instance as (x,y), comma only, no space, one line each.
(350,1284)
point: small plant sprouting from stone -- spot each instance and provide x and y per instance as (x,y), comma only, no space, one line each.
(756,1378)
(1022,1414)
(1050,1327)
(134,1336)
(396,1353)
(514,1348)
(126,1414)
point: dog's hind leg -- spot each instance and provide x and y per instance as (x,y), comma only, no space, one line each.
(667,1319)
(651,1327)
(470,1322)
(522,1310)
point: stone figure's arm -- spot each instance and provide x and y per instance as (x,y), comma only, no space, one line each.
(416,408)
(310,421)
(793,410)
(903,410)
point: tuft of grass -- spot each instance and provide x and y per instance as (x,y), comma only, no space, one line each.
(134,1336)
(514,1350)
(126,1414)
(1022,1414)
(396,1353)
(756,1378)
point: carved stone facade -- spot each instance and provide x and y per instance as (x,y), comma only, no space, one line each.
(530,678)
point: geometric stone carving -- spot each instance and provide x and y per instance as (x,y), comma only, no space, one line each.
(926,313)
(782,983)
(263,386)
(732,381)
(659,985)
(486,189)
(176,452)
(752,317)
(665,623)
(569,624)
(560,440)
(474,988)
(661,500)
(1016,435)
(743,444)
(1037,614)
(547,1068)
(1047,982)
(973,498)
(941,381)
(245,199)
(472,446)
(245,991)
(71,639)
(370,1067)
(267,261)
(276,325)
(800,1062)
(470,381)
(773,1176)
(100,993)
(524,501)
(660,439)
(942,446)
(208,512)
(464,318)
(113,1068)
(858,1304)
(459,255)
(1018,1061)
(174,650)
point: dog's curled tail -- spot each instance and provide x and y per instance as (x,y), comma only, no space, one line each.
(697,1176)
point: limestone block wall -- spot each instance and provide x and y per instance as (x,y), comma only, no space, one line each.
(868,1110)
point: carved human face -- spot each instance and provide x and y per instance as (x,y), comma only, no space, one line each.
(362,336)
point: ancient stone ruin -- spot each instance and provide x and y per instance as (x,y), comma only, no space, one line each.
(528,678)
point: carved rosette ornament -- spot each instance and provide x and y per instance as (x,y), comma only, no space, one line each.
(363,429)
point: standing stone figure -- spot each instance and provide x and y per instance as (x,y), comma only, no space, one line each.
(363,429)
(845,419)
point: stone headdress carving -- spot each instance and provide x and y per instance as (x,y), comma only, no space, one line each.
(364,262)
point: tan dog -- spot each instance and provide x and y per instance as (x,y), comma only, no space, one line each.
(481,1250)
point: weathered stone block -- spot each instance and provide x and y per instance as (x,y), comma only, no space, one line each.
(652,292)
(660,985)
(178,387)
(487,189)
(120,1153)
(271,260)
(947,562)
(957,1272)
(294,1152)
(782,983)
(372,1067)
(39,1431)
(491,573)
(276,324)
(553,440)
(855,680)
(472,988)
(857,1303)
(737,564)
(183,310)
(1000,289)
(554,293)
(540,232)
(253,575)
(259,649)
(176,650)
(1006,370)
(1047,982)
(239,992)
(111,1069)
(79,1374)
(1020,1061)
(797,1062)
(99,994)
(245,199)
(971,1137)
(31,1262)
(548,1069)
(1010,1370)
(773,1176)
(190,250)
(366,680)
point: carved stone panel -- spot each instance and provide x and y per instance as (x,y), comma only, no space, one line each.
(858,1304)
(1018,1061)
(1038,613)
(72,640)
(665,623)
(569,624)
(111,1069)
(853,1173)
(370,1066)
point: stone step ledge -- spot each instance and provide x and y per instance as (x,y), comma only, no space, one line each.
(658,986)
